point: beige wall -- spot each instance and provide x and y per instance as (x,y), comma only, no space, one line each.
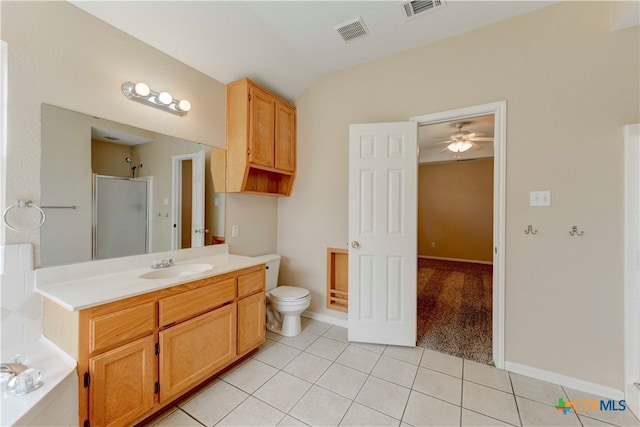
(570,85)
(455,210)
(60,55)
(108,158)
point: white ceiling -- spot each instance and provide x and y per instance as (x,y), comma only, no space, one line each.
(287,45)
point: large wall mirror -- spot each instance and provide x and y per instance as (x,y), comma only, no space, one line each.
(112,190)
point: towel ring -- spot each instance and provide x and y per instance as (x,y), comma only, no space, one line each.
(23,204)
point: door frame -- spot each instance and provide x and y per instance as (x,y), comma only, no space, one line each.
(176,195)
(631,270)
(499,111)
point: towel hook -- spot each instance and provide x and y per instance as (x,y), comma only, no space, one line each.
(530,230)
(574,231)
(23,204)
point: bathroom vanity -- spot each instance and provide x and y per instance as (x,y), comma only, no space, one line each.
(142,343)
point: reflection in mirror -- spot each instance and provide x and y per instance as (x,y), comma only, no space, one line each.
(135,191)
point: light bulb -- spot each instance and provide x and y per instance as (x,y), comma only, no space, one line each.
(142,89)
(459,146)
(165,98)
(184,105)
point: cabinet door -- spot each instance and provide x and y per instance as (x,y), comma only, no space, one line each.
(261,127)
(122,383)
(251,318)
(194,350)
(285,138)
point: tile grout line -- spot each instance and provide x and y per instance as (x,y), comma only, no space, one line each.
(513,393)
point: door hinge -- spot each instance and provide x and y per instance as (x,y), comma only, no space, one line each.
(86,423)
(157,388)
(87,379)
(248,151)
(249,97)
(157,349)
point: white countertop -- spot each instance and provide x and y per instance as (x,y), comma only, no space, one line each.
(80,286)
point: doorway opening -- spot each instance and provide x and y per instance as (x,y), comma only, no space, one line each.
(453,288)
(188,208)
(455,238)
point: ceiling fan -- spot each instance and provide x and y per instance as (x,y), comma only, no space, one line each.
(463,140)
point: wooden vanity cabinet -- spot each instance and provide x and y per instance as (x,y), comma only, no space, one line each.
(261,140)
(139,354)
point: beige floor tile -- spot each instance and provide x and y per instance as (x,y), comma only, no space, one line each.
(315,327)
(250,376)
(214,403)
(320,407)
(592,422)
(282,391)
(307,366)
(300,341)
(327,348)
(473,419)
(395,371)
(252,412)
(406,354)
(358,358)
(289,421)
(340,379)
(487,375)
(277,355)
(337,333)
(423,410)
(360,415)
(384,397)
(491,402)
(273,336)
(534,389)
(442,362)
(177,418)
(534,413)
(439,385)
(619,418)
(376,348)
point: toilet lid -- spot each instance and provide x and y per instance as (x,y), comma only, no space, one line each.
(288,293)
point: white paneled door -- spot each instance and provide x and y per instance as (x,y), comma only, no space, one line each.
(383,249)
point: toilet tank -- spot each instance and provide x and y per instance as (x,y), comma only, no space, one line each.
(273,267)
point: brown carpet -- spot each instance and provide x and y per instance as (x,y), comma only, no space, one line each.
(454,308)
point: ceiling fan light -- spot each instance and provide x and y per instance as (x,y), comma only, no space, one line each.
(459,146)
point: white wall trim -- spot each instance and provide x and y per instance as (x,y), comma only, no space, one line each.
(499,110)
(472,261)
(3,135)
(326,319)
(565,381)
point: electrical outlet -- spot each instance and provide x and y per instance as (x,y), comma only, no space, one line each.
(235,230)
(540,198)
(433,244)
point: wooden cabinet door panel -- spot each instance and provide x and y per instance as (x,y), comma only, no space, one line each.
(122,383)
(261,127)
(195,349)
(251,318)
(285,138)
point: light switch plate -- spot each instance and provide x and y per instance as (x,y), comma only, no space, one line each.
(540,198)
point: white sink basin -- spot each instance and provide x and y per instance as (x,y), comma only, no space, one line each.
(177,271)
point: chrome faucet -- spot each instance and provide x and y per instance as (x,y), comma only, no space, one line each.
(162,263)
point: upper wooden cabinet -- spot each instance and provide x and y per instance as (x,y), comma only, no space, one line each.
(261,140)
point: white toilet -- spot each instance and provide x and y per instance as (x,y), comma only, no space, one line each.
(284,303)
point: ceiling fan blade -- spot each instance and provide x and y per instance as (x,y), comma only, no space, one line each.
(482,139)
(444,150)
(443,142)
(475,146)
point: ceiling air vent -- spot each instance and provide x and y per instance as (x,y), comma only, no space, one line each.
(415,7)
(352,29)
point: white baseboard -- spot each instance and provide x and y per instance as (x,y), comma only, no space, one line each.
(563,380)
(326,319)
(473,261)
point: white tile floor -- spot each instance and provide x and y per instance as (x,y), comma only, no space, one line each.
(320,379)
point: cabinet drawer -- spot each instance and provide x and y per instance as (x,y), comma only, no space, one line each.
(117,328)
(251,283)
(197,301)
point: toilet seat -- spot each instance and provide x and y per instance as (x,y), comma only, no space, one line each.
(288,293)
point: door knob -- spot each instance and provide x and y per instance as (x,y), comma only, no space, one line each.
(355,244)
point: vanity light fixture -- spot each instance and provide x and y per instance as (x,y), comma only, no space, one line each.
(164,100)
